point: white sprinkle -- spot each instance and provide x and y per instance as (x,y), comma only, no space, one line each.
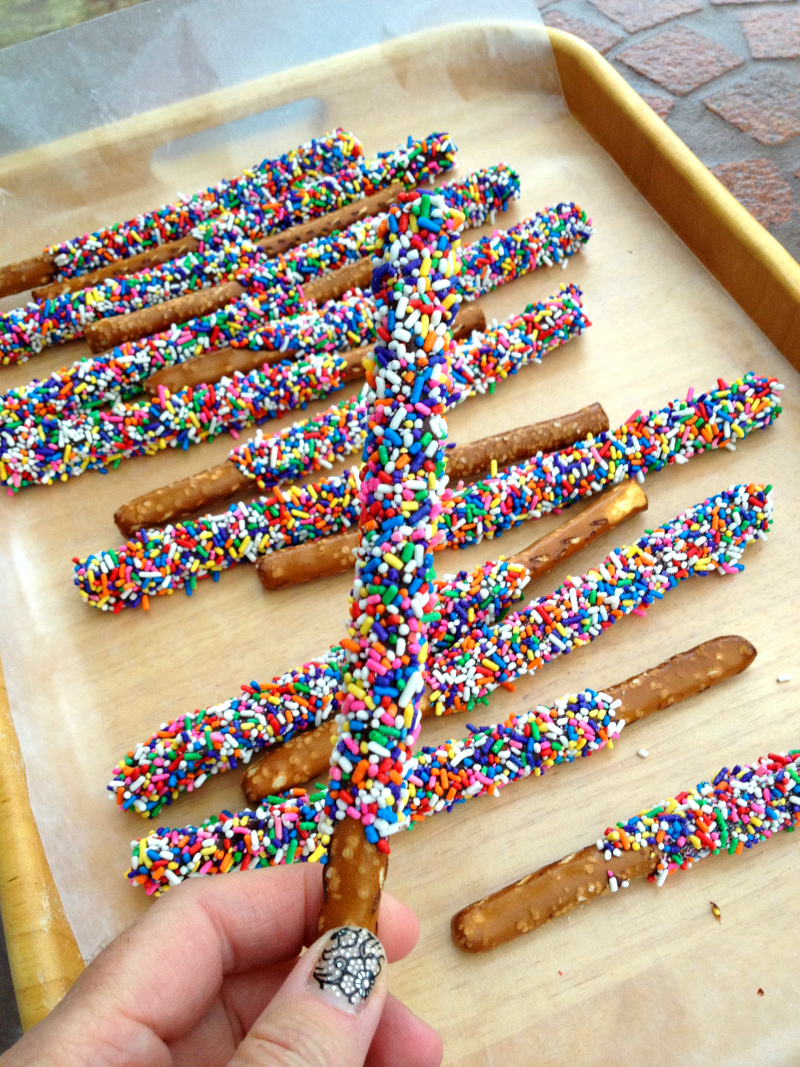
(784,678)
(643,753)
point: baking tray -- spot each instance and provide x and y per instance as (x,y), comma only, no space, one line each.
(651,970)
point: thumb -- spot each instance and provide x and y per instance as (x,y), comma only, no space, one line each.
(326,1012)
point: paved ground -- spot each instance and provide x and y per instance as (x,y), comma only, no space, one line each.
(724,74)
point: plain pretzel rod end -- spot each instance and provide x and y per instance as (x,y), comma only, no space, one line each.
(109,333)
(26,274)
(607,511)
(352,879)
(552,891)
(181,498)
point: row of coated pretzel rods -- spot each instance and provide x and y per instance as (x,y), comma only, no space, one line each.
(229,251)
(323,176)
(109,333)
(306,755)
(182,754)
(601,720)
(160,560)
(321,155)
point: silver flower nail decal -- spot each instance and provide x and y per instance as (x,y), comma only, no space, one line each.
(349,965)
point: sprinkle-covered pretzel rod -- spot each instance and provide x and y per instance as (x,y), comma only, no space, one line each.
(159,561)
(740,808)
(671,435)
(259,186)
(223,274)
(393,602)
(285,829)
(305,755)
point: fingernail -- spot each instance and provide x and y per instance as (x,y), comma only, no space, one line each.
(348,966)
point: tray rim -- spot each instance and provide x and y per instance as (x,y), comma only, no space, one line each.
(755,269)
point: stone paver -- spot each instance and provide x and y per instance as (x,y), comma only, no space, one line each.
(662,105)
(680,59)
(766,105)
(635,15)
(761,187)
(729,3)
(773,34)
(597,36)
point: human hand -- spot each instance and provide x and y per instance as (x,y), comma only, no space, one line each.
(210,976)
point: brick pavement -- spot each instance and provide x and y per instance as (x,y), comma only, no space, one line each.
(725,75)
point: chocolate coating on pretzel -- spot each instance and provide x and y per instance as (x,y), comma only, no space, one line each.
(108,333)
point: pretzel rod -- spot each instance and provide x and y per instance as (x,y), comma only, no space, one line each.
(224,362)
(285,829)
(332,555)
(261,184)
(212,486)
(305,755)
(738,809)
(320,267)
(40,409)
(274,245)
(161,560)
(225,248)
